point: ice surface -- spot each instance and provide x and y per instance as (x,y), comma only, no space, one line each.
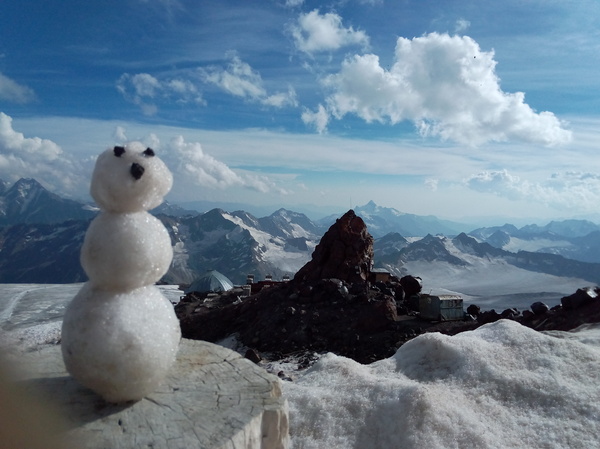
(115,189)
(120,345)
(500,386)
(126,251)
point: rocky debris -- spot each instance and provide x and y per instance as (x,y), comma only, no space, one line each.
(354,320)
(329,305)
(318,316)
(345,252)
(582,307)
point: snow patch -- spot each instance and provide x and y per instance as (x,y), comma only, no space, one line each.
(501,386)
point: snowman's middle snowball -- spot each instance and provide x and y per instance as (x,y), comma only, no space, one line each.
(125,251)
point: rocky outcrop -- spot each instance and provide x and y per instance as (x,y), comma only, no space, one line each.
(345,252)
(353,320)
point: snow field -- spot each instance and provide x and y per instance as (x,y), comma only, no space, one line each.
(500,386)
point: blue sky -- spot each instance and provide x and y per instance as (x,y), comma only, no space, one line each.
(458,109)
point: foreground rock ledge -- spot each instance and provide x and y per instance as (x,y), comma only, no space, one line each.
(213,398)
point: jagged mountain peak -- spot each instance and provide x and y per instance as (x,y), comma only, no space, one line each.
(27,201)
(288,224)
(470,245)
(372,208)
(26,187)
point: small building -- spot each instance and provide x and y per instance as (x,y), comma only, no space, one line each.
(441,308)
(211,281)
(379,275)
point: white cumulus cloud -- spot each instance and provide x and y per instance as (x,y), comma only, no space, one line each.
(204,169)
(315,32)
(241,80)
(576,191)
(191,162)
(14,92)
(447,86)
(33,157)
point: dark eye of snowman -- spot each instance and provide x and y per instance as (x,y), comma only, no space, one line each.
(148,152)
(136,170)
(118,151)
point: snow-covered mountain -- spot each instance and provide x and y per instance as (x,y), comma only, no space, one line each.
(383,220)
(478,270)
(27,201)
(238,244)
(42,253)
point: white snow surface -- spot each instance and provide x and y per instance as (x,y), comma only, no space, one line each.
(516,244)
(501,386)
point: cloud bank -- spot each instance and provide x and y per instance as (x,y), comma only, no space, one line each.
(32,157)
(446,85)
(575,191)
(193,167)
(61,173)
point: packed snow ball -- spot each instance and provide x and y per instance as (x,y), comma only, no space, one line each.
(120,344)
(126,251)
(130,178)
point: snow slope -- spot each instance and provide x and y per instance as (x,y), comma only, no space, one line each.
(501,386)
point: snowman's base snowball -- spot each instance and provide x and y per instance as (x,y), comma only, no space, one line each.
(120,345)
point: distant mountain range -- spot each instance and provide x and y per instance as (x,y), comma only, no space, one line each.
(41,236)
(573,239)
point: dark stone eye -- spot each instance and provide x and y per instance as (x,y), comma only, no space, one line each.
(148,152)
(119,151)
(136,170)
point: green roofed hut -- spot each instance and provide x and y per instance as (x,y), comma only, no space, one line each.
(211,281)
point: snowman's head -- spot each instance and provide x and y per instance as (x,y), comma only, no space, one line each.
(130,178)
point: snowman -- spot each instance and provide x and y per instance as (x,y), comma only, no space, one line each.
(120,334)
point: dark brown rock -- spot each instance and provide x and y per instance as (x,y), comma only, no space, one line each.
(473,310)
(539,308)
(345,252)
(581,297)
(253,355)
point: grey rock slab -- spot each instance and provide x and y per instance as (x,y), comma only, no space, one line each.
(212,398)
